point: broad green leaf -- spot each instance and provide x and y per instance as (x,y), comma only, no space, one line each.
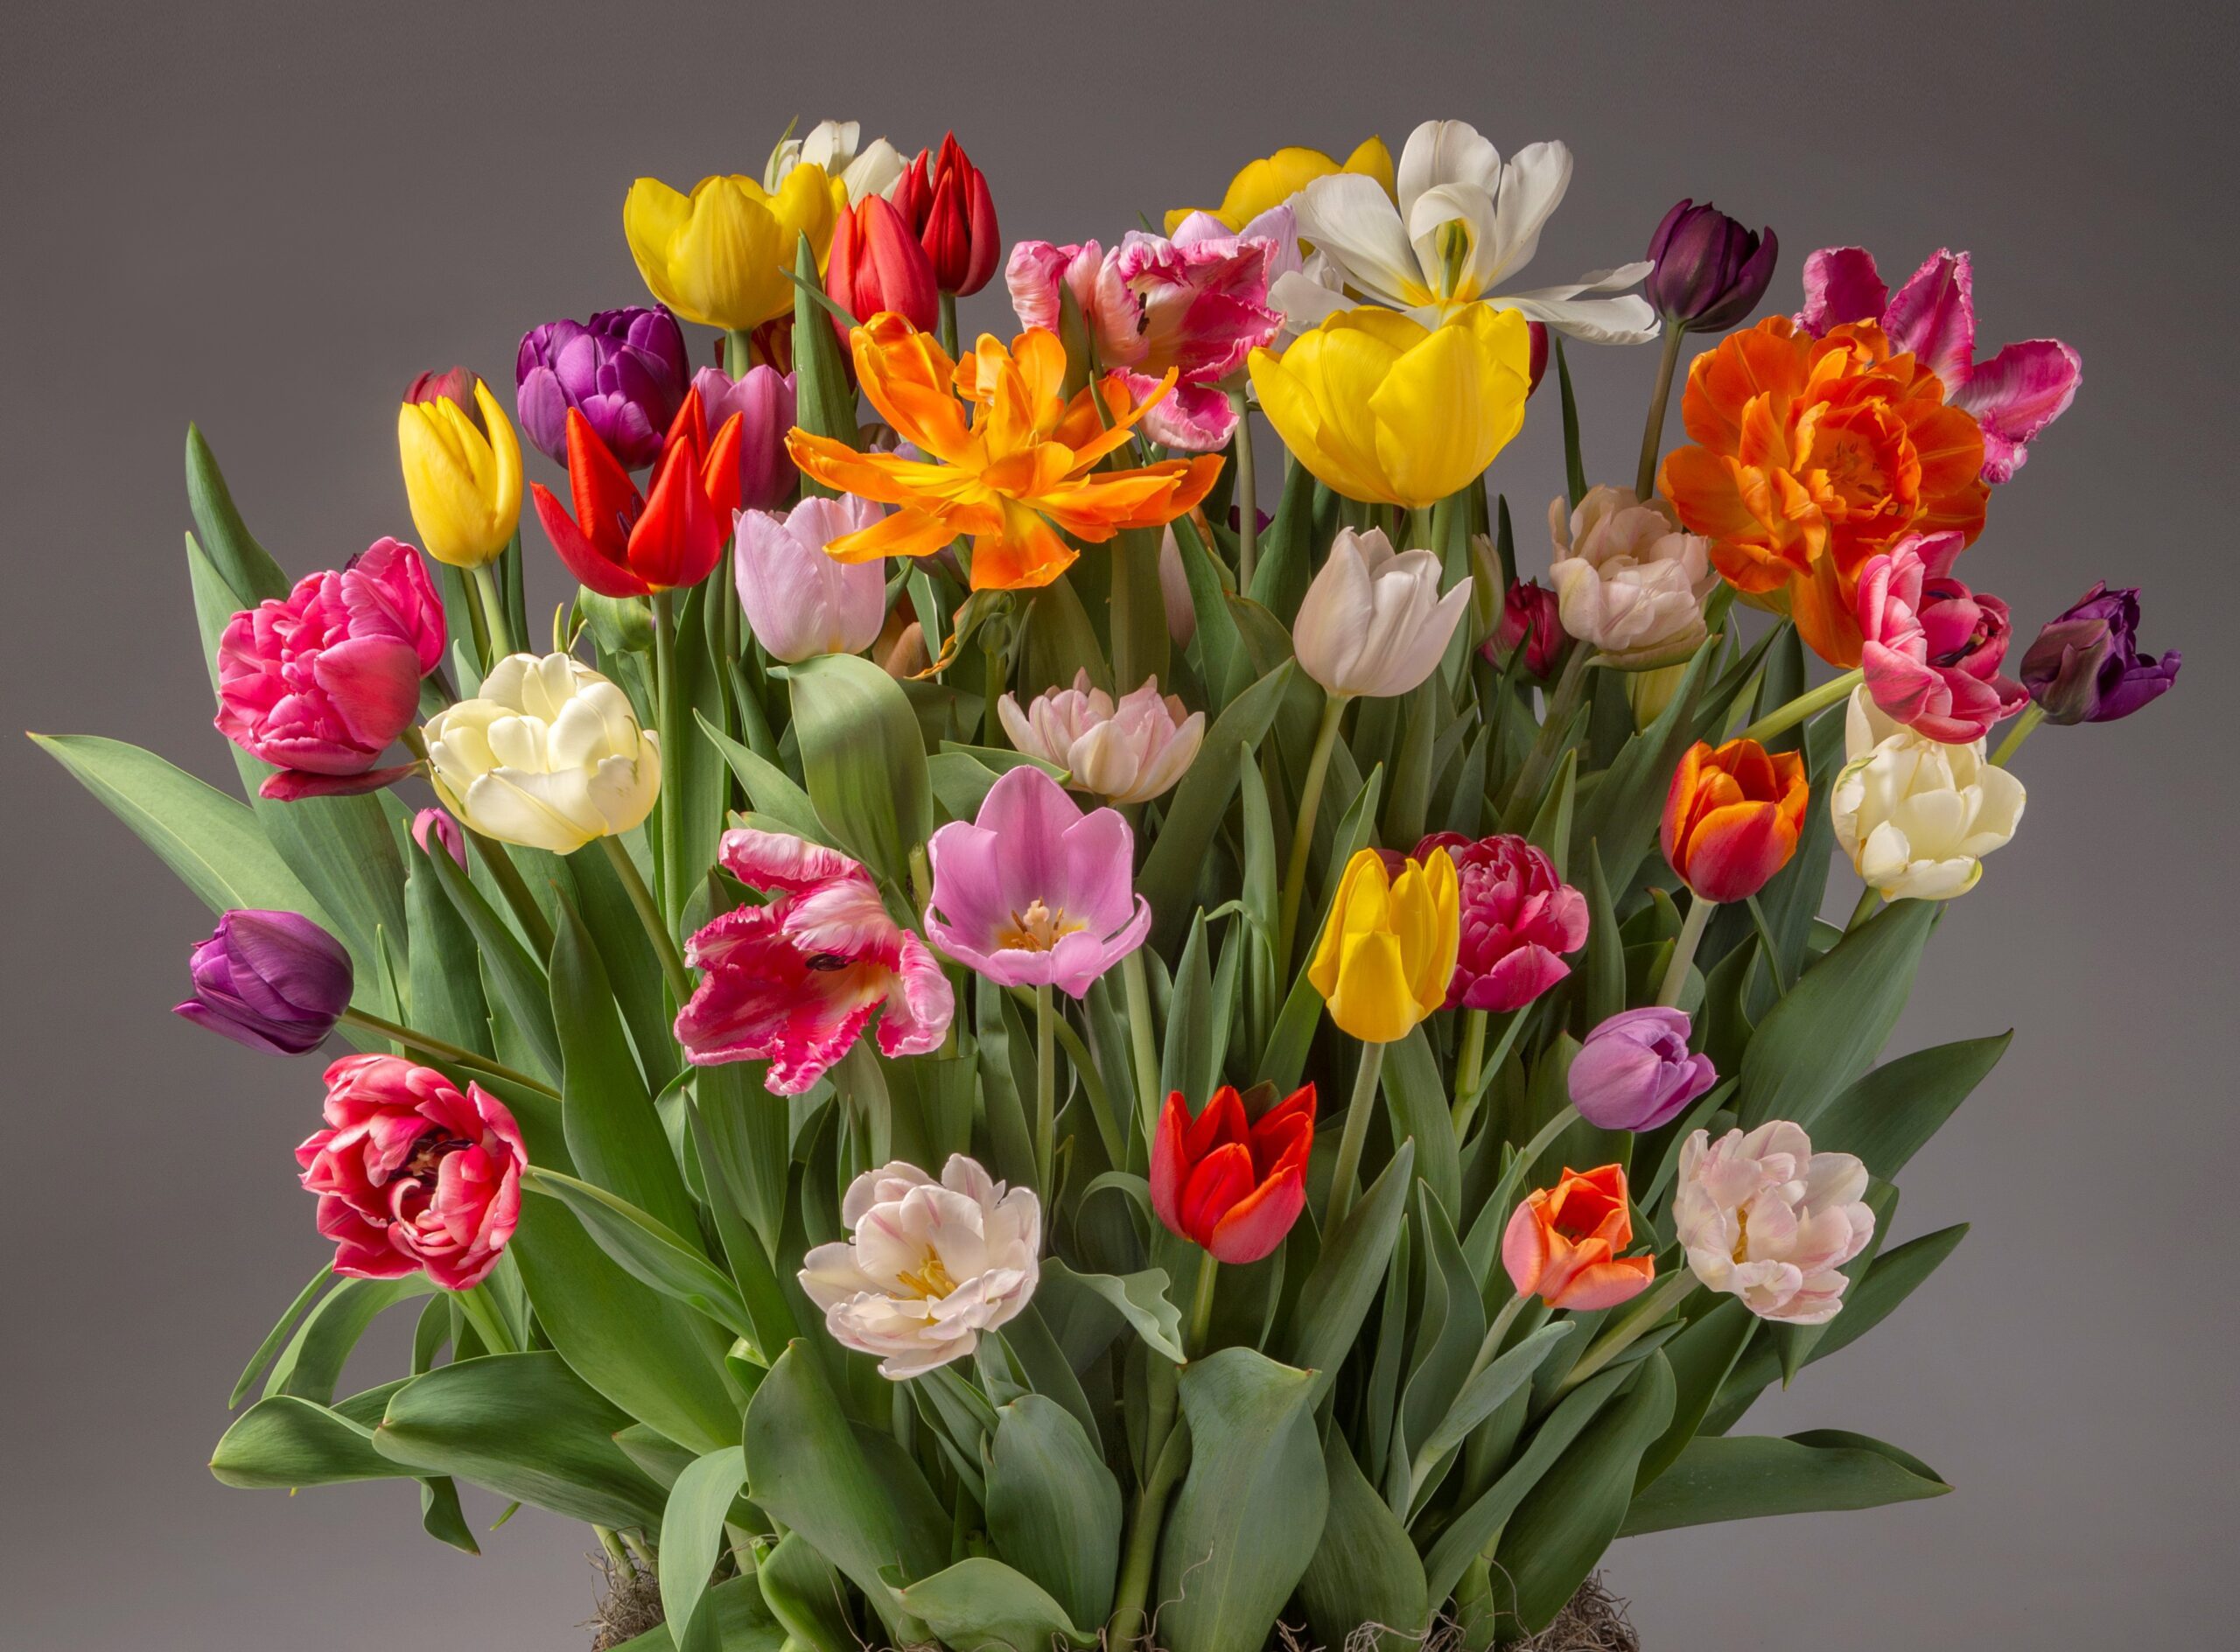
(1140,1299)
(311,1363)
(862,760)
(1194,808)
(648,1251)
(285,1442)
(1059,642)
(1483,1394)
(691,1538)
(517,982)
(825,396)
(445,977)
(1701,1357)
(1889,1113)
(807,1597)
(770,791)
(1752,1475)
(1415,1091)
(1054,1507)
(1336,1296)
(1450,1326)
(979,1604)
(1365,1570)
(661,1458)
(626,953)
(1828,1030)
(247,568)
(1622,814)
(1191,1060)
(279,1335)
(1286,565)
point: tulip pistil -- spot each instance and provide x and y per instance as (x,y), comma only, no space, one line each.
(1037,930)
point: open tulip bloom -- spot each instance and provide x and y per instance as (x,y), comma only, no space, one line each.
(980,895)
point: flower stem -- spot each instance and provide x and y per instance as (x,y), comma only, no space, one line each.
(1683,950)
(1563,706)
(1788,717)
(1310,804)
(1201,1305)
(1653,438)
(1127,670)
(680,984)
(1668,1295)
(1142,1038)
(669,845)
(1470,1064)
(1868,899)
(1348,1168)
(1168,1451)
(1248,499)
(1046,1093)
(1543,1139)
(443,1050)
(483,1315)
(949,326)
(1466,1096)
(739,352)
(493,612)
(2033,714)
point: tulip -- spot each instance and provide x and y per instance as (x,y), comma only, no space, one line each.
(412,1176)
(1373,624)
(944,199)
(1917,816)
(1563,1245)
(763,402)
(876,265)
(2085,666)
(462,478)
(1732,818)
(795,981)
(1232,1187)
(319,683)
(1710,272)
(798,601)
(1388,952)
(863,170)
(435,831)
(1635,1071)
(1264,183)
(623,370)
(1032,892)
(1387,410)
(452,383)
(1628,579)
(1126,753)
(274,981)
(550,756)
(1932,646)
(623,543)
(1766,1219)
(1531,618)
(719,256)
(1517,917)
(1174,591)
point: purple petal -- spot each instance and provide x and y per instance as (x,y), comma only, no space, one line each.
(1840,285)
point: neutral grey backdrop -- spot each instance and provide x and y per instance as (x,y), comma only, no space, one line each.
(268,218)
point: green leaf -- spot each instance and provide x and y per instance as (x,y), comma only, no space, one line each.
(1059,642)
(769,789)
(1140,1299)
(825,396)
(1450,1326)
(1054,1507)
(311,1363)
(1622,814)
(247,568)
(980,1603)
(626,953)
(692,1537)
(1365,1570)
(1194,809)
(1415,1091)
(1574,466)
(1336,1296)
(517,980)
(807,1597)
(1485,1393)
(1701,1357)
(645,1249)
(1827,1031)
(279,1335)
(1753,1475)
(1249,1516)
(1286,564)
(1191,1061)
(446,978)
(864,760)
(1888,1114)
(1602,977)
(283,1442)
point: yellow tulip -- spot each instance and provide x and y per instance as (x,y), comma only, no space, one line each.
(718,257)
(463,487)
(1271,182)
(1388,410)
(1387,954)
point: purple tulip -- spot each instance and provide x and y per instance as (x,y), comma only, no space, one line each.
(623,370)
(2085,666)
(1710,272)
(274,981)
(764,398)
(1635,1071)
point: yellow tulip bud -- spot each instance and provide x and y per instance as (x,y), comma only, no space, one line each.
(1264,183)
(1389,411)
(1387,954)
(718,257)
(463,487)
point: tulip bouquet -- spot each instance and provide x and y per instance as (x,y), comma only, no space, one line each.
(993,1044)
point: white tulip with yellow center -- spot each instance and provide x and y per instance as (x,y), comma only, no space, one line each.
(1915,816)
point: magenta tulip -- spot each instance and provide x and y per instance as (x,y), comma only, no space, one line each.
(1517,918)
(1933,646)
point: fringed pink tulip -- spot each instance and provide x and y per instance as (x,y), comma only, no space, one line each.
(1933,646)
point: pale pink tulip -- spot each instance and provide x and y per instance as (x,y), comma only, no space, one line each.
(798,601)
(1126,753)
(1765,1218)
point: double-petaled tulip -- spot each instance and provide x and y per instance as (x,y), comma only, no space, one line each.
(1932,646)
(411,1175)
(549,756)
(944,198)
(1917,816)
(1565,1244)
(1710,272)
(719,255)
(1732,818)
(1628,579)
(795,981)
(1387,954)
(1635,1071)
(274,981)
(462,474)
(877,265)
(1766,1219)
(623,370)
(1032,892)
(624,543)
(1128,753)
(1385,410)
(1271,181)
(1373,623)
(763,402)
(797,600)
(1531,618)
(320,682)
(2085,666)
(1231,1185)
(1518,918)
(863,170)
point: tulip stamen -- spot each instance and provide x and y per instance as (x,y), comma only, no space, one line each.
(1037,930)
(931,1280)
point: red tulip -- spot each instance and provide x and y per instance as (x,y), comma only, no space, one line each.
(620,543)
(944,199)
(1233,1188)
(877,265)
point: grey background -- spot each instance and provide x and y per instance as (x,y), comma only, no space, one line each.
(268,218)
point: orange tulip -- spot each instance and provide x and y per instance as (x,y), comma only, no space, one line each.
(1023,467)
(1562,1245)
(1733,817)
(1812,455)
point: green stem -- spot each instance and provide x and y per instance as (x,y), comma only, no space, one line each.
(1805,705)
(1310,804)
(515,888)
(1343,1173)
(992,718)
(1168,1452)
(1653,438)
(1668,1295)
(1248,499)
(949,325)
(1683,950)
(1868,899)
(669,847)
(1100,1103)
(1543,1139)
(1142,1038)
(1563,706)
(493,612)
(615,1552)
(1201,1305)
(739,352)
(1467,1097)
(1488,1346)
(1127,670)
(680,984)
(1470,1064)
(2033,714)
(1045,1093)
(488,1323)
(443,1050)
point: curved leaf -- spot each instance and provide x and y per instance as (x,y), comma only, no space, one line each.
(979,1603)
(1753,1475)
(692,1537)
(1054,1507)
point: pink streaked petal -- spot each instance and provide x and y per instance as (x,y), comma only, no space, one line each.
(920,1003)
(293,785)
(844,916)
(1840,285)
(1195,418)
(1933,316)
(776,860)
(2015,395)
(1901,686)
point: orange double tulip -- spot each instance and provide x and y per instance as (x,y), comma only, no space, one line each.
(1563,1243)
(1733,817)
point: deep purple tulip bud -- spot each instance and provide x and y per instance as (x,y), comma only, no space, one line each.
(2085,666)
(623,369)
(274,981)
(1635,1071)
(1710,272)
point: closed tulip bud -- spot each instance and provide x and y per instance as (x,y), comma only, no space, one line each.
(437,833)
(1732,818)
(763,402)
(462,478)
(1228,1186)
(718,257)
(1387,954)
(877,266)
(623,370)
(944,198)
(274,981)
(452,384)
(1710,272)
(1130,752)
(1917,816)
(1563,1243)
(798,601)
(1372,622)
(1634,1072)
(1531,618)
(2085,666)
(1628,579)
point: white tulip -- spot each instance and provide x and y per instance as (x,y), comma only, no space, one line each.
(838,146)
(1374,623)
(548,756)
(1765,1218)
(1628,579)
(1126,753)
(931,1264)
(1917,816)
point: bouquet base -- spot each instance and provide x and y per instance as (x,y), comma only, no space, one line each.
(1594,1621)
(629,1606)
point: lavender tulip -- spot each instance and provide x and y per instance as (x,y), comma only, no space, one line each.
(1634,1072)
(765,399)
(1710,272)
(2085,666)
(274,981)
(623,370)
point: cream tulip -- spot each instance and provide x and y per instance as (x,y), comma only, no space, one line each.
(549,756)
(1917,816)
(1126,753)
(838,146)
(1374,624)
(1766,1219)
(1628,579)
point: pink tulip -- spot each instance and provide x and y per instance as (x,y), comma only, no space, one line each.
(764,399)
(435,830)
(1517,917)
(795,981)
(410,1174)
(320,683)
(1933,646)
(1034,891)
(798,601)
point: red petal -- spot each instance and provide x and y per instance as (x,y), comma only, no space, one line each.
(588,562)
